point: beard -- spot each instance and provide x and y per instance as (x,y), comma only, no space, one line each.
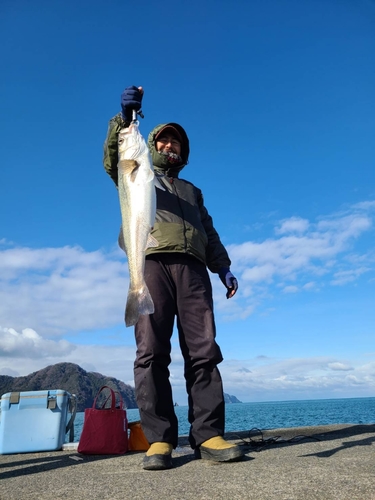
(171,157)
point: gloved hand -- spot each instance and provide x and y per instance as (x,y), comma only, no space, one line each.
(229,281)
(131,99)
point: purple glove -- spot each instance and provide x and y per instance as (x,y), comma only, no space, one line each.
(229,281)
(131,99)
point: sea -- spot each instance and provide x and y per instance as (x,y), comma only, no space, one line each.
(275,414)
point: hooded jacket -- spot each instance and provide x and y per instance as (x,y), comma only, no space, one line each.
(182,222)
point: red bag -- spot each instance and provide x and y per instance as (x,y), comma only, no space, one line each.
(105,430)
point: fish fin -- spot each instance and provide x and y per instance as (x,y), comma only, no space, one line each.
(152,242)
(150,175)
(138,303)
(128,167)
(158,183)
(121,241)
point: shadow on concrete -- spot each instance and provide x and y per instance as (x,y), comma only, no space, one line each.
(257,440)
(254,440)
(179,461)
(344,446)
(37,465)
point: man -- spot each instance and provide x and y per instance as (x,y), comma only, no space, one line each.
(176,275)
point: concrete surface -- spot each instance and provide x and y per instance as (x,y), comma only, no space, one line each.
(331,462)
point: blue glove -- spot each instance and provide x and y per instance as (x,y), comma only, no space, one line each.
(229,281)
(131,99)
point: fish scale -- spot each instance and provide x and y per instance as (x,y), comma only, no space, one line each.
(136,188)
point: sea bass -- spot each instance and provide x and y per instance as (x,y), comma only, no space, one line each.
(136,188)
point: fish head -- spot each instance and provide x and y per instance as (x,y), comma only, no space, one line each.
(130,142)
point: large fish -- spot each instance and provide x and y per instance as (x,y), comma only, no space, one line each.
(137,195)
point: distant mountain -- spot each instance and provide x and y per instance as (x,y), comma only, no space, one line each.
(231,399)
(72,378)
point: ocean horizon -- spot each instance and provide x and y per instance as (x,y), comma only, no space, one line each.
(275,414)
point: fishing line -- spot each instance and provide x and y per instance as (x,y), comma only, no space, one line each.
(259,444)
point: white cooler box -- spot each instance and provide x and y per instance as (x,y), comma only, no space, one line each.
(36,420)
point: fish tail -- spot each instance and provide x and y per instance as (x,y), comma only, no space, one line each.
(138,302)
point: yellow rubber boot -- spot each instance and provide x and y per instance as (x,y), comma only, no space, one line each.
(158,457)
(219,450)
(159,449)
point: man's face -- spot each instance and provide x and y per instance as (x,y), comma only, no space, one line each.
(168,143)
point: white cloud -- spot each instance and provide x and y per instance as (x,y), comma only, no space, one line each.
(306,250)
(292,225)
(58,290)
(112,360)
(326,240)
(259,273)
(262,378)
(29,343)
(365,205)
(273,379)
(55,290)
(340,366)
(48,293)
(8,371)
(343,277)
(291,289)
(309,286)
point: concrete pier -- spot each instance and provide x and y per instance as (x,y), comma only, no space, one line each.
(333,462)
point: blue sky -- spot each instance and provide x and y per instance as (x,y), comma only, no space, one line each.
(277,98)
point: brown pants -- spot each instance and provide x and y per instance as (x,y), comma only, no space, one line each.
(180,287)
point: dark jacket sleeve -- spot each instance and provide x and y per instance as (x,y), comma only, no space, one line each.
(216,254)
(110,156)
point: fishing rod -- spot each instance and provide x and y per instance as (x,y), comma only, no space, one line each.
(135,113)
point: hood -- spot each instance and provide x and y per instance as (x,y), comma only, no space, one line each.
(160,161)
